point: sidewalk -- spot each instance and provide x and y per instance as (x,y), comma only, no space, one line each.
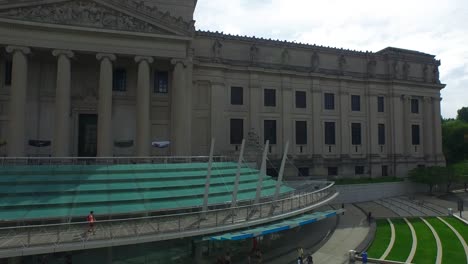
(350,232)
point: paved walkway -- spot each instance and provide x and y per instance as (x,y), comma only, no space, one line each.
(352,229)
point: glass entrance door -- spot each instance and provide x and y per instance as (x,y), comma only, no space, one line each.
(87,135)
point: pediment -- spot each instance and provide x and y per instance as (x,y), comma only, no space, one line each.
(121,15)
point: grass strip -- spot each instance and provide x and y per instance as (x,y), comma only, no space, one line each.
(459,226)
(452,249)
(381,239)
(426,252)
(403,241)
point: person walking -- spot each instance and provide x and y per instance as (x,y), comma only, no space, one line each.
(91,220)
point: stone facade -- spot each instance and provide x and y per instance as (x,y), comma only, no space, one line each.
(58,64)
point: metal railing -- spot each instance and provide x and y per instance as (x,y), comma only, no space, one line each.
(18,239)
(5,161)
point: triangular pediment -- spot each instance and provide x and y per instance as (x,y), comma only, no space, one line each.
(121,15)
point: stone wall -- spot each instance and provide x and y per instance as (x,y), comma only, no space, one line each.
(355,193)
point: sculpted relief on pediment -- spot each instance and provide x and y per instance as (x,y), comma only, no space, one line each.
(82,13)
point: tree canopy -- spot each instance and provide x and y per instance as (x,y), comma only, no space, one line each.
(462,114)
(455,140)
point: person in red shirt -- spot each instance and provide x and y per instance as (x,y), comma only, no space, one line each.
(91,221)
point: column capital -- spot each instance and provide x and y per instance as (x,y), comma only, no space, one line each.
(427,99)
(138,59)
(110,56)
(68,53)
(405,97)
(181,61)
(24,50)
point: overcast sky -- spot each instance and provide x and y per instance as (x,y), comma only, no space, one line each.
(438,27)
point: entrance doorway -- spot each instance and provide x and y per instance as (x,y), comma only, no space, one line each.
(87,135)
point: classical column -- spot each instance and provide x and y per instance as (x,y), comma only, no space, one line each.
(287,123)
(317,127)
(407,134)
(104,125)
(179,102)
(438,132)
(428,134)
(143,140)
(344,108)
(19,83)
(61,141)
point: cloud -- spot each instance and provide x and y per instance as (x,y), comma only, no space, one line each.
(431,26)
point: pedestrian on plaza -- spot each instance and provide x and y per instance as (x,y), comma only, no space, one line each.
(91,220)
(310,260)
(227,258)
(299,260)
(369,217)
(300,253)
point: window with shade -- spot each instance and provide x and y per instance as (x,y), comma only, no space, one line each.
(237,97)
(161,82)
(356,133)
(236,131)
(301,133)
(381,136)
(355,103)
(330,133)
(380,104)
(415,134)
(269,97)
(329,101)
(414,106)
(269,131)
(8,71)
(301,99)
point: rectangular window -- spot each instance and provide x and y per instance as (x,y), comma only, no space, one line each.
(332,171)
(237,131)
(381,134)
(8,70)
(415,134)
(301,99)
(237,96)
(359,170)
(301,133)
(119,80)
(303,171)
(269,97)
(414,106)
(330,133)
(355,103)
(384,170)
(329,101)
(356,133)
(269,131)
(380,104)
(161,82)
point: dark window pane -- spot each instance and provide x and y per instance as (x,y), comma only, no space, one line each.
(330,133)
(301,99)
(415,134)
(8,70)
(119,80)
(237,131)
(237,97)
(414,106)
(301,133)
(356,133)
(329,101)
(380,104)
(270,97)
(332,171)
(303,171)
(359,170)
(384,170)
(355,103)
(269,131)
(381,134)
(161,82)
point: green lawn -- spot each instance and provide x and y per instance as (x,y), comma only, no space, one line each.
(381,240)
(452,249)
(403,241)
(459,226)
(426,251)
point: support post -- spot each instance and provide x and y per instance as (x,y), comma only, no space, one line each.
(280,175)
(262,172)
(236,183)
(208,176)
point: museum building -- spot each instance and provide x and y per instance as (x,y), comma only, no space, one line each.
(107,78)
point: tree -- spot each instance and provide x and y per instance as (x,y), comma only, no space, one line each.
(430,176)
(453,139)
(462,114)
(461,170)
